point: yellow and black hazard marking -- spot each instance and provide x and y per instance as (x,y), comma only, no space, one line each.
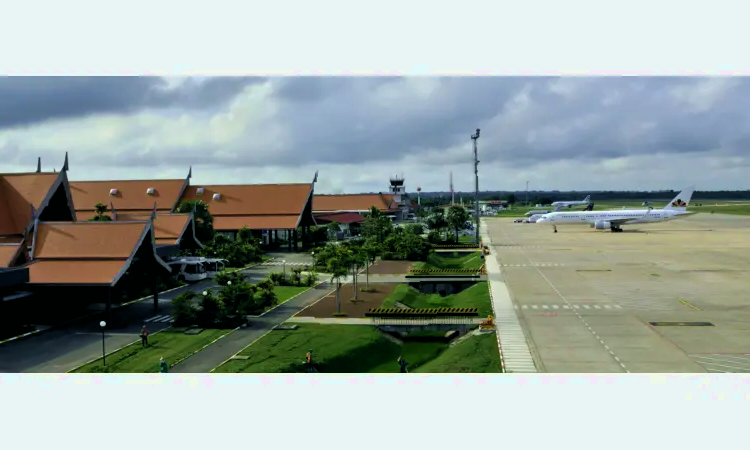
(444,271)
(469,246)
(422,312)
(681,324)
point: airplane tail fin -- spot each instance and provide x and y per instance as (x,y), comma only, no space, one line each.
(587,199)
(681,202)
(558,208)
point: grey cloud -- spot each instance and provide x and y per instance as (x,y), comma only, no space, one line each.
(334,120)
(28,100)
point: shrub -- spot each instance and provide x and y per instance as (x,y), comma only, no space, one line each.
(296,276)
(183,311)
(211,311)
(235,277)
(310,279)
(415,228)
(278,279)
(434,237)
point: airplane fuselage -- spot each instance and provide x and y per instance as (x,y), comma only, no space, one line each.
(632,216)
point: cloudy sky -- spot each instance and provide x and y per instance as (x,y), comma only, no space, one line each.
(557,133)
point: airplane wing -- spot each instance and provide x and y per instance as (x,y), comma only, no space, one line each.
(629,219)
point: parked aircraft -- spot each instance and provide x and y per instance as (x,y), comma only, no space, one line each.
(614,220)
(585,201)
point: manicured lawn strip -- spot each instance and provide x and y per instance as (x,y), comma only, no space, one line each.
(336,349)
(284,293)
(440,261)
(477,296)
(172,345)
(361,349)
(477,354)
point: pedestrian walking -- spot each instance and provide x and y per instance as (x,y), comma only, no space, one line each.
(144,336)
(163,366)
(402,364)
(309,361)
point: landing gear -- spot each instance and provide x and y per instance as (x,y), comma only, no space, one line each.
(616,229)
(555,228)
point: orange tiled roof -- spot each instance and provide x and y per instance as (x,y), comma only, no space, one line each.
(168,228)
(277,222)
(17,193)
(352,202)
(84,252)
(75,272)
(74,240)
(131,194)
(252,199)
(7,253)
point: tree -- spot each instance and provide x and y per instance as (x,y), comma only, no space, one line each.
(457,217)
(204,221)
(100,213)
(436,220)
(183,311)
(415,228)
(211,310)
(371,250)
(337,264)
(266,295)
(510,198)
(333,229)
(377,225)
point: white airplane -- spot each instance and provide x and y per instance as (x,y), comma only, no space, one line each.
(585,201)
(535,217)
(614,220)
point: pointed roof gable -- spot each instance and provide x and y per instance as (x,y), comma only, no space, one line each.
(96,253)
(18,193)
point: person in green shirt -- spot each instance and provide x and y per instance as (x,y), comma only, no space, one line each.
(163,366)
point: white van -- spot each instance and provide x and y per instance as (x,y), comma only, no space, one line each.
(214,266)
(189,269)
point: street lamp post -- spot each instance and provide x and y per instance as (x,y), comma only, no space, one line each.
(475,137)
(284,262)
(102,325)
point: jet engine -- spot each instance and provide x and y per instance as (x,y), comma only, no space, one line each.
(602,225)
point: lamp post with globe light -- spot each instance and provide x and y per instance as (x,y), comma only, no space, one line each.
(102,325)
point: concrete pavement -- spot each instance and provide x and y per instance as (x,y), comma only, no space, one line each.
(592,313)
(514,349)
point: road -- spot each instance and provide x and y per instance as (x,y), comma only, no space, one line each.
(64,348)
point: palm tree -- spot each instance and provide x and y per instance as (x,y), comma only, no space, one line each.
(337,265)
(457,216)
(204,221)
(100,213)
(371,251)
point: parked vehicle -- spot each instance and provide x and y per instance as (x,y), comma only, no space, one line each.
(214,266)
(189,269)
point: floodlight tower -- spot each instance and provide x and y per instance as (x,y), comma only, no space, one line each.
(475,137)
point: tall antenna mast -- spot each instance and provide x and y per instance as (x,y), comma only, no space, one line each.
(453,193)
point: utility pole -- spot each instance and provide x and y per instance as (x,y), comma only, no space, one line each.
(527,193)
(475,137)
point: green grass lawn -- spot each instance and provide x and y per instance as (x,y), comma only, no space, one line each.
(350,349)
(170,344)
(445,260)
(477,296)
(284,293)
(477,354)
